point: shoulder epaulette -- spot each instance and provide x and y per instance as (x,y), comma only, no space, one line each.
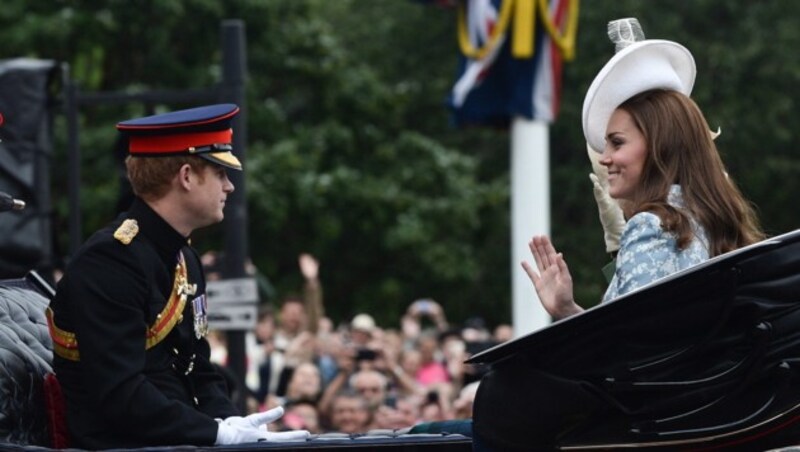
(127,231)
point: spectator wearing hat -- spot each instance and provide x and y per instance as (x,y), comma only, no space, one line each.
(656,158)
(129,318)
(361,329)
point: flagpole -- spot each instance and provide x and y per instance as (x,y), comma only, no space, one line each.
(530,215)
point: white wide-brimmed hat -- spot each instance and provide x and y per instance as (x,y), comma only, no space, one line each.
(639,65)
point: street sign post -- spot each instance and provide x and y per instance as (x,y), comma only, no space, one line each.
(232,304)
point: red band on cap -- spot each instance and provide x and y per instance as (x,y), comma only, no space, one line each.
(165,144)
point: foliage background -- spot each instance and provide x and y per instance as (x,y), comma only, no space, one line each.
(352,157)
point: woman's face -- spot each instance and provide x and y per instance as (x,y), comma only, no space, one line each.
(305,382)
(624,155)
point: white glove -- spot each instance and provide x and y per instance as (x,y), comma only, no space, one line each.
(233,434)
(252,428)
(611,216)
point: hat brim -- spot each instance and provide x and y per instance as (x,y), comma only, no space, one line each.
(226,159)
(640,67)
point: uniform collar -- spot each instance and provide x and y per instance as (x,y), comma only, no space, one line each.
(166,240)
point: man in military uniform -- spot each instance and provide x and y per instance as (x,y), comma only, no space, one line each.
(128,321)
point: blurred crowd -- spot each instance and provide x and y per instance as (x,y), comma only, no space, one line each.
(353,375)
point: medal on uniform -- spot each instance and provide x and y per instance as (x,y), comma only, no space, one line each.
(200,309)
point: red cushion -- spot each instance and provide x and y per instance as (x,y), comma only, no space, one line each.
(56,412)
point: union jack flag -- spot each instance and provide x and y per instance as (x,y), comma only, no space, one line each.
(496,86)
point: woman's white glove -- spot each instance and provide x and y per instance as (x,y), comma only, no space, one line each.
(611,216)
(253,428)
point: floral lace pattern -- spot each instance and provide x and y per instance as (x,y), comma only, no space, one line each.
(648,253)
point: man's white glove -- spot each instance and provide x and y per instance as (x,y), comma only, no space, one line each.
(611,216)
(253,428)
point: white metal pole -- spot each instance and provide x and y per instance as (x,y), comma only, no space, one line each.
(530,215)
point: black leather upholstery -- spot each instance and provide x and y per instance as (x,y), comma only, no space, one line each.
(707,357)
(25,357)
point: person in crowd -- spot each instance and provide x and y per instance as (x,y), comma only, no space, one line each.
(475,331)
(277,346)
(372,386)
(362,329)
(301,415)
(403,413)
(410,363)
(503,333)
(129,318)
(431,370)
(421,311)
(263,358)
(433,407)
(218,344)
(304,384)
(292,320)
(389,353)
(328,342)
(462,406)
(312,291)
(660,163)
(303,313)
(454,353)
(300,350)
(349,413)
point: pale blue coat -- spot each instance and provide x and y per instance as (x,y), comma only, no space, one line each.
(648,253)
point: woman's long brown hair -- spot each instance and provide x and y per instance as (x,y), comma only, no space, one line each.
(681,151)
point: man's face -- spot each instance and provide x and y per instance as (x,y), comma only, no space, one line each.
(349,415)
(292,316)
(371,387)
(206,200)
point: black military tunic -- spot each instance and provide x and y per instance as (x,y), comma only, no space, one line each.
(132,369)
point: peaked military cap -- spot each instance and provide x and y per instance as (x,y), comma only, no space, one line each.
(204,131)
